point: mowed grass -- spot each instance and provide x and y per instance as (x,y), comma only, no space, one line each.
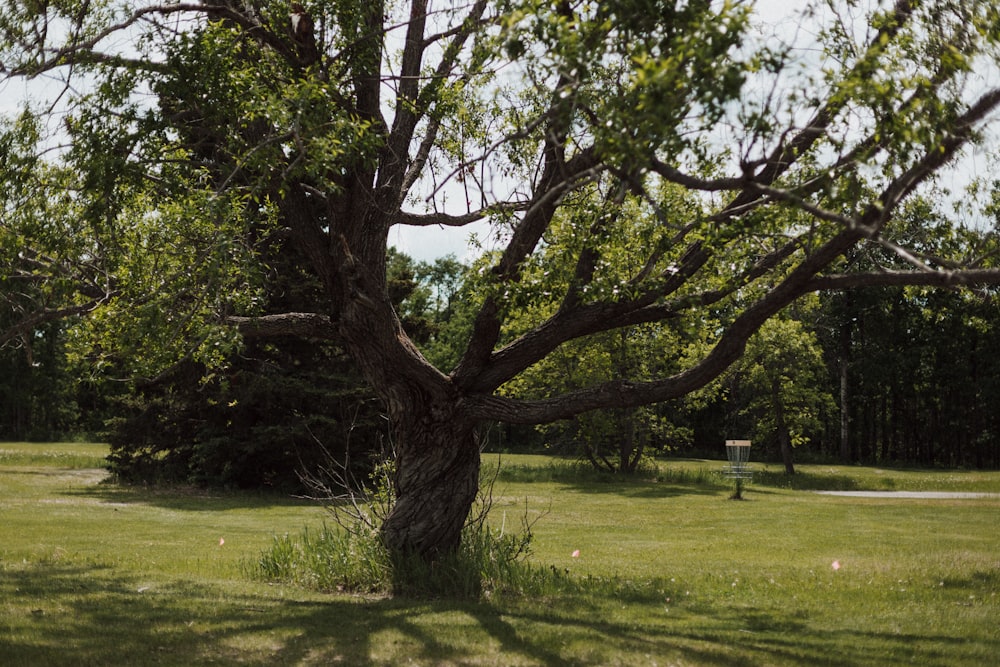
(668,572)
(53,454)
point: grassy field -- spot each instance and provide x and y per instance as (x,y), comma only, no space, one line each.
(92,574)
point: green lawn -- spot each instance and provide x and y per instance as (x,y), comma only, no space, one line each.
(91,574)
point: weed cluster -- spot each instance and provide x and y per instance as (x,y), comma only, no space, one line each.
(351,557)
(326,560)
(488,564)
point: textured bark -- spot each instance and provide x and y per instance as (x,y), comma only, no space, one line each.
(305,325)
(437,478)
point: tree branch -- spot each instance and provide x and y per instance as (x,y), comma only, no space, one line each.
(304,325)
(730,346)
(30,323)
(786,154)
(447,220)
(556,182)
(959,134)
(625,393)
(934,278)
(81,51)
(414,103)
(590,319)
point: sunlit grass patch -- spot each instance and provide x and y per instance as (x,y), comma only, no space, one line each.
(64,455)
(863,478)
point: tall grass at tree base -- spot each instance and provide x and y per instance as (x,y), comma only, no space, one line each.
(351,556)
(488,564)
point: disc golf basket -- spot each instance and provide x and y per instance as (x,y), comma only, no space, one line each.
(738,470)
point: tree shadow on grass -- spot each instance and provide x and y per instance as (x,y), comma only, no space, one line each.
(184,498)
(647,489)
(732,636)
(79,615)
(65,614)
(805,481)
(639,485)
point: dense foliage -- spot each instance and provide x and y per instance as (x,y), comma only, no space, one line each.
(279,409)
(38,397)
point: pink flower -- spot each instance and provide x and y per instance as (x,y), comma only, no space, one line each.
(835,565)
(576,554)
(222,541)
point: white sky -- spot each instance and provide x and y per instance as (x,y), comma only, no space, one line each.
(428,243)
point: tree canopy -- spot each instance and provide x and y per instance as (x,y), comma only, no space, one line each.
(748,163)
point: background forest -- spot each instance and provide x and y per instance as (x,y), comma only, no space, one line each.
(905,376)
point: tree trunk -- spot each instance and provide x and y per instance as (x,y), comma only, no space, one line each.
(845,419)
(845,414)
(628,455)
(436,482)
(784,437)
(786,449)
(435,442)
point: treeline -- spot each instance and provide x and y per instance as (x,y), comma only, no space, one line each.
(909,377)
(919,374)
(899,376)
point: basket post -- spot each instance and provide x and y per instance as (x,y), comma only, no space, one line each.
(738,453)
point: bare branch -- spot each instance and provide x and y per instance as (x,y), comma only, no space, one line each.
(83,50)
(674,175)
(521,133)
(412,102)
(30,323)
(780,194)
(416,167)
(305,325)
(429,219)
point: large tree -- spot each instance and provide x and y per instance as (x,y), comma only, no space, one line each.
(177,137)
